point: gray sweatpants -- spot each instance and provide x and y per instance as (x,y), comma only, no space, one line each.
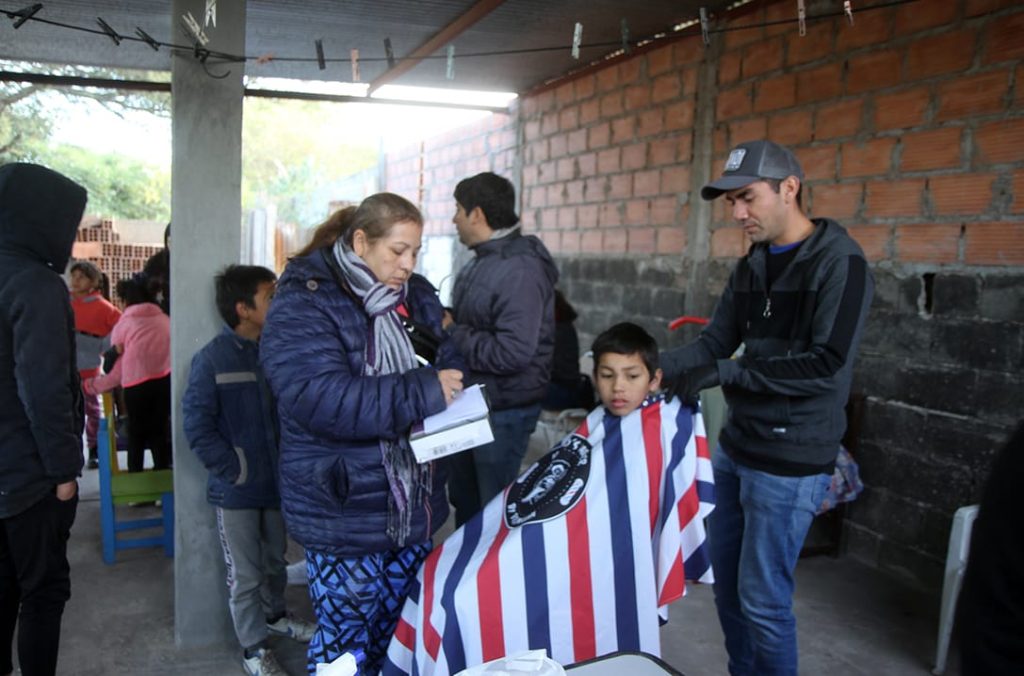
(254,544)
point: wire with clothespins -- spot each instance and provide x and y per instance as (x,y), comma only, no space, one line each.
(199,40)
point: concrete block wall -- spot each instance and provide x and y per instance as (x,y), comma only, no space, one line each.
(910,128)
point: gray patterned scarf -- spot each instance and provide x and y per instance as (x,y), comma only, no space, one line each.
(389,350)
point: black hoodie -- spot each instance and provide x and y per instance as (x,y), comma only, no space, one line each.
(40,395)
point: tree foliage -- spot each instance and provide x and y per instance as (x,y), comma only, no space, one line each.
(294,152)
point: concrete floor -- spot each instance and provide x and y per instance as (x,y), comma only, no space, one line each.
(851,620)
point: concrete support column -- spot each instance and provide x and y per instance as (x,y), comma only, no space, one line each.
(205,236)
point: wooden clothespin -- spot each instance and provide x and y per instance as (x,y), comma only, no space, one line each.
(848,10)
(624,31)
(111,33)
(449,67)
(801,15)
(389,53)
(320,62)
(147,38)
(577,38)
(354,55)
(210,17)
(704,34)
(24,14)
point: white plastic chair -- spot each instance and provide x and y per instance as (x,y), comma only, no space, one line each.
(956,564)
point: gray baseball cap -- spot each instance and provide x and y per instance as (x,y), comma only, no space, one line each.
(753,161)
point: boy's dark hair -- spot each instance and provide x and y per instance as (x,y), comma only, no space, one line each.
(627,338)
(135,289)
(495,196)
(239,284)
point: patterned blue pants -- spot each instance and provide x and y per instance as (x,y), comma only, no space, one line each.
(358,601)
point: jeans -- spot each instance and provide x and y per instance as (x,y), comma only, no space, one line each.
(35,583)
(254,542)
(755,536)
(477,475)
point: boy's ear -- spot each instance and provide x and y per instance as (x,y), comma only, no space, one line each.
(242,309)
(655,381)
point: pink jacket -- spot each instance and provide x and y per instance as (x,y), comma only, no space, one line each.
(144,334)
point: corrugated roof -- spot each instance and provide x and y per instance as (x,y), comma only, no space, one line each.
(288,28)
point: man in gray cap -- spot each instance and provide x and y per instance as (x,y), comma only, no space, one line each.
(796,304)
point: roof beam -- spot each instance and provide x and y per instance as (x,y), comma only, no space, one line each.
(456,28)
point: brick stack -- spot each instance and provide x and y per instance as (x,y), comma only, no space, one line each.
(99,242)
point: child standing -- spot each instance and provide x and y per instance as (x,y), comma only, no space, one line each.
(231,424)
(95,317)
(143,339)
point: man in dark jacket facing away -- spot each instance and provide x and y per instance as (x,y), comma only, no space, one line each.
(504,325)
(797,302)
(41,411)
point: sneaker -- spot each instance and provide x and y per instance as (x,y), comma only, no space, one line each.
(293,628)
(92,463)
(263,663)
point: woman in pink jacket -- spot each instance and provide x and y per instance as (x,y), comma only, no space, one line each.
(143,339)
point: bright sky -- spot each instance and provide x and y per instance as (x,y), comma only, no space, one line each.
(148,138)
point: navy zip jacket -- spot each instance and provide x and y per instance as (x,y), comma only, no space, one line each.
(40,394)
(231,423)
(504,311)
(787,393)
(334,493)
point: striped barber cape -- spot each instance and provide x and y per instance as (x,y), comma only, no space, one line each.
(579,555)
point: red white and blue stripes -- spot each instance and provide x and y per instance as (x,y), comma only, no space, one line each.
(585,583)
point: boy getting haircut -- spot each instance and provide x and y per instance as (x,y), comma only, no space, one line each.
(625,367)
(239,284)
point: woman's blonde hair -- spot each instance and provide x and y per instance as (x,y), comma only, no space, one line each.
(375,216)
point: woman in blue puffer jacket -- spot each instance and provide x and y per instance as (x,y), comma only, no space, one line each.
(336,349)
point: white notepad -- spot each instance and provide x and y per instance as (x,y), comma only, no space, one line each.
(461,426)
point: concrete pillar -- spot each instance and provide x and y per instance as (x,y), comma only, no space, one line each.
(205,236)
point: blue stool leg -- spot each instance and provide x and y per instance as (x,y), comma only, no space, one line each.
(167,502)
(106,497)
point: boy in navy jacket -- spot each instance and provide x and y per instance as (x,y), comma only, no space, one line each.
(231,424)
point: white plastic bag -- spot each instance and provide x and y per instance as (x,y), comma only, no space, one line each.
(525,663)
(346,665)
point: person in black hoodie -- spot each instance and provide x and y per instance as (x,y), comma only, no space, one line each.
(41,411)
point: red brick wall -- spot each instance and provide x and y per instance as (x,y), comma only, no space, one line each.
(427,172)
(606,157)
(909,124)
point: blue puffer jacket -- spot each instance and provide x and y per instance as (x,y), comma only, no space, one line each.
(334,491)
(505,319)
(231,423)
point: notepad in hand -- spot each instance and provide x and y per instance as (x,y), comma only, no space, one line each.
(461,426)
